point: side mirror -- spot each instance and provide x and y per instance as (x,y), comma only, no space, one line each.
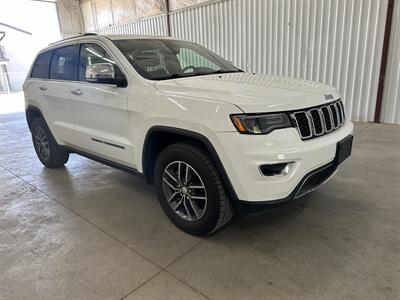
(97,72)
(103,73)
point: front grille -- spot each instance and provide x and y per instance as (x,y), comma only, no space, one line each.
(319,120)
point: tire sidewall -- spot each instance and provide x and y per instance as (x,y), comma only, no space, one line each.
(39,122)
(210,217)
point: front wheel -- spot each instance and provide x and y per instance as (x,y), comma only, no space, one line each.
(190,189)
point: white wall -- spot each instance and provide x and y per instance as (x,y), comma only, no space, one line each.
(38,18)
(70,16)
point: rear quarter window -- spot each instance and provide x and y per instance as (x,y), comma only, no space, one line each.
(41,66)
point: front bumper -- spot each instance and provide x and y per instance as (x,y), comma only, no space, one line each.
(243,154)
(309,183)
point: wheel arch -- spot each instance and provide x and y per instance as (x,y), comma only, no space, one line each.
(159,137)
(32,112)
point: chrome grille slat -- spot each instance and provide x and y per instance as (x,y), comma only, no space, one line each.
(332,117)
(327,119)
(305,132)
(320,120)
(339,113)
(335,117)
(323,120)
(342,109)
(310,121)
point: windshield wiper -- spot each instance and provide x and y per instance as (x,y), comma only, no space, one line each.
(226,71)
(177,75)
(182,75)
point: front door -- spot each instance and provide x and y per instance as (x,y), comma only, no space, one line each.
(100,112)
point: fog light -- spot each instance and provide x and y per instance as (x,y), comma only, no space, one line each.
(280,169)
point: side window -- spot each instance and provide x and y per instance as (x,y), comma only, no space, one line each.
(41,67)
(189,57)
(62,63)
(93,54)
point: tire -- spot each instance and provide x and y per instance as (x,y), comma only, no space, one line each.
(46,147)
(193,215)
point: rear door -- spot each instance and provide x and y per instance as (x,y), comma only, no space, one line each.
(99,110)
(47,89)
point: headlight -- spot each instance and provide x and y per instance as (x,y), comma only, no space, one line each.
(260,124)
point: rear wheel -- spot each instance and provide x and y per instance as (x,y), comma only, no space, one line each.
(45,145)
(190,189)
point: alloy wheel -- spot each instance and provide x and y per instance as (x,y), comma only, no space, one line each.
(42,143)
(184,190)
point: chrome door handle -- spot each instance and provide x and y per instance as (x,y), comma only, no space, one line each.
(77,92)
(42,87)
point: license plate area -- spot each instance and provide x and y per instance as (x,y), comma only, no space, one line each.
(343,149)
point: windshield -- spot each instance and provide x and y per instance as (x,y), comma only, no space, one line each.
(160,59)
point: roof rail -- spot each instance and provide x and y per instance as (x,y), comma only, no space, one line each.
(75,36)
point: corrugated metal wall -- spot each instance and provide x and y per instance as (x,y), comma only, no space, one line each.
(391,97)
(338,42)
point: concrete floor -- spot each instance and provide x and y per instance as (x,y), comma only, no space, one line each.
(88,231)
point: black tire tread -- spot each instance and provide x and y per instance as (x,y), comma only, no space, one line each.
(226,211)
(58,157)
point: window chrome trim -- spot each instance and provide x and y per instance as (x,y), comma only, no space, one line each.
(77,43)
(109,52)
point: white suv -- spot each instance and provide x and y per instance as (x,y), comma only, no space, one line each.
(210,137)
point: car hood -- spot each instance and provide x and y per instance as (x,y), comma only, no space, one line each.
(252,93)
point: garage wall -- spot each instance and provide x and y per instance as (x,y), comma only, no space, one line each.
(338,42)
(179,4)
(151,26)
(70,17)
(391,97)
(29,27)
(99,14)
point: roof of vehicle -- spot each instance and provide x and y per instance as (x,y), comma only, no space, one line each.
(112,37)
(136,36)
